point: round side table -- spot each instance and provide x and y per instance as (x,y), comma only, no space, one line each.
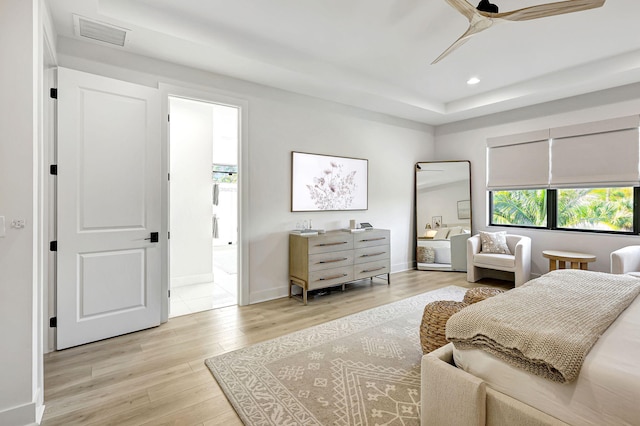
(577,260)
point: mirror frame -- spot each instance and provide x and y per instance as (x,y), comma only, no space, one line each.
(415,200)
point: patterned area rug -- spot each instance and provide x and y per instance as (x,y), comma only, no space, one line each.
(363,369)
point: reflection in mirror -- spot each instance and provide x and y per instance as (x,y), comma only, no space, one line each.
(443,214)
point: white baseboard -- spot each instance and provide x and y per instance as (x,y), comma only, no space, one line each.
(191,279)
(401,267)
(24,415)
(265,295)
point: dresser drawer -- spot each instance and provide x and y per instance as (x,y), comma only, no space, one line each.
(375,237)
(330,242)
(329,260)
(371,254)
(329,277)
(370,269)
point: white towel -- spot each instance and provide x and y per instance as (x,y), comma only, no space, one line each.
(216,191)
(215,226)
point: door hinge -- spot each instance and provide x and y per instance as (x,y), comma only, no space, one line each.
(53,169)
(168,176)
(53,322)
(169,292)
(53,93)
(53,246)
(169,117)
(168,235)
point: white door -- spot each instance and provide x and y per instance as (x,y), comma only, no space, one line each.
(109,191)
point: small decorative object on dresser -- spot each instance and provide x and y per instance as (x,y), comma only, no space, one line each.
(336,258)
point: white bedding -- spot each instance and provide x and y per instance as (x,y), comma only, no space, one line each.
(607,391)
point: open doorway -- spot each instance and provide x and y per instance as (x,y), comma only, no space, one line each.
(203,207)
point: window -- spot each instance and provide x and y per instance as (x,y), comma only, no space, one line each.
(586,209)
(602,209)
(522,207)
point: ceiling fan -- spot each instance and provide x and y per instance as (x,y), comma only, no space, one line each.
(486,14)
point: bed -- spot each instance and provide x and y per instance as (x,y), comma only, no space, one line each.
(444,250)
(472,386)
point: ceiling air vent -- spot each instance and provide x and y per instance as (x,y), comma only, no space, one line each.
(100,31)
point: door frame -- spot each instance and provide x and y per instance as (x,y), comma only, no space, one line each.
(217,97)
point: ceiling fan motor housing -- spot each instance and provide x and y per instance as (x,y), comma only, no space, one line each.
(485,6)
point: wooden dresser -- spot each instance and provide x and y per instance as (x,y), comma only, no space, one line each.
(337,257)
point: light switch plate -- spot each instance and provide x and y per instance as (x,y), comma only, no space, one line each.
(3,231)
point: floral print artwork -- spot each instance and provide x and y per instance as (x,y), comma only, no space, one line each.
(333,189)
(328,183)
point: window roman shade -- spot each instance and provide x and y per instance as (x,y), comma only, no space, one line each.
(604,153)
(598,154)
(518,161)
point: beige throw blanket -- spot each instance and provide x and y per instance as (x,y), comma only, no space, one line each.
(548,325)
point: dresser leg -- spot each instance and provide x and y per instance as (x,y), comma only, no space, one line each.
(389,278)
(290,285)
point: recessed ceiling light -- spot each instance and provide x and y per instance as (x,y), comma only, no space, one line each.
(473,80)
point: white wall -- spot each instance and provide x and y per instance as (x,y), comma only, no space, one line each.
(191,147)
(281,122)
(467,140)
(20,258)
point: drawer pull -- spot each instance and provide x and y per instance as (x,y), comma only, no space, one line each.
(374,269)
(373,239)
(373,254)
(332,277)
(333,260)
(332,244)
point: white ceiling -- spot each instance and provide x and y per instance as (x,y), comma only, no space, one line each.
(377,54)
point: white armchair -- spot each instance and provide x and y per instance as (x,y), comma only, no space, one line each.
(626,261)
(481,265)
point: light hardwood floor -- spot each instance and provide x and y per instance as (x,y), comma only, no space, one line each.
(158,376)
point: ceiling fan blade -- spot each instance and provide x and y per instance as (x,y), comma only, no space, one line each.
(549,9)
(464,7)
(471,31)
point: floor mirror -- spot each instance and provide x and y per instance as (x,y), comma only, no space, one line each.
(443,214)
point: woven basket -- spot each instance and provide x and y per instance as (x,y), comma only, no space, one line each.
(434,321)
(477,294)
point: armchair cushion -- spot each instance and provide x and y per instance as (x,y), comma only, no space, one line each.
(494,242)
(489,260)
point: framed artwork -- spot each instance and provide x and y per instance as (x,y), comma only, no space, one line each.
(323,182)
(436,222)
(464,209)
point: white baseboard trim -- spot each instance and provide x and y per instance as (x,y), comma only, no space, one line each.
(191,279)
(24,415)
(401,267)
(265,295)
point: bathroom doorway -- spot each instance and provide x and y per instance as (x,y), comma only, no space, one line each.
(203,207)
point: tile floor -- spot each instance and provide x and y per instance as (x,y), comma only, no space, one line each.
(223,291)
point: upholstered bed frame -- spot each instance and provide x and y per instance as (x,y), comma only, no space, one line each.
(453,397)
